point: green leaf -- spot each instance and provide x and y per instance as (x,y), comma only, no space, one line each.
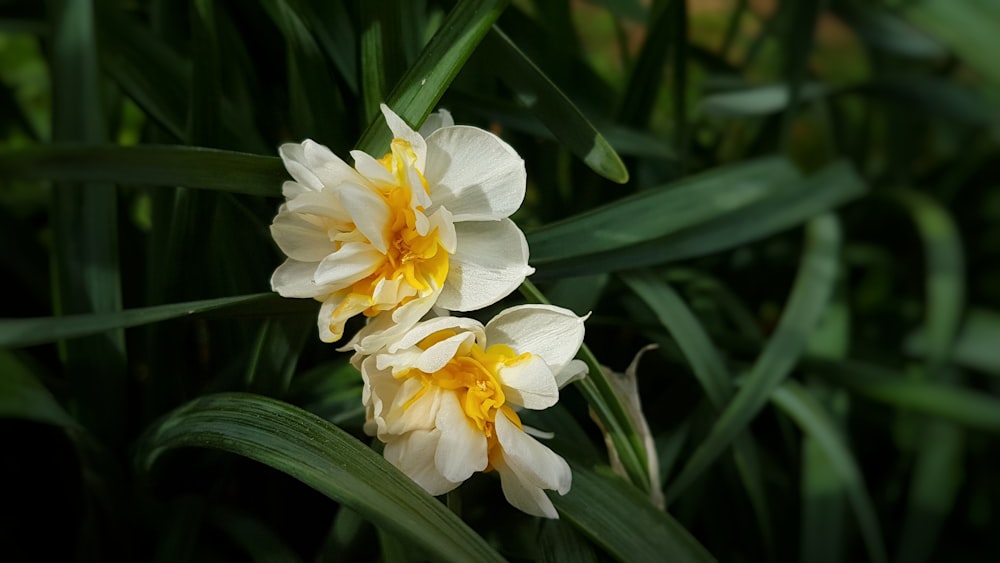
(963,406)
(810,294)
(660,211)
(938,474)
(425,81)
(758,100)
(646,75)
(23,396)
(84,221)
(968,28)
(16,333)
(190,167)
(323,457)
(558,542)
(792,204)
(708,367)
(552,107)
(381,53)
(705,359)
(627,526)
(944,275)
(803,408)
(276,354)
(314,97)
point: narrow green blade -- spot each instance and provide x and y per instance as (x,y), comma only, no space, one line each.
(190,167)
(810,294)
(803,408)
(323,457)
(626,525)
(16,333)
(23,396)
(423,84)
(535,91)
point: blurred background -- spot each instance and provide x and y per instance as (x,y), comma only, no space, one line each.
(796,200)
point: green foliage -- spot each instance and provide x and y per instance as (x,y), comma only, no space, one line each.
(797,201)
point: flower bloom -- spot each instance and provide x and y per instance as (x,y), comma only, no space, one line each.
(427,224)
(444,398)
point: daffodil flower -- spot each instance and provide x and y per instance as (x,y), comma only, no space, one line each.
(445,396)
(425,225)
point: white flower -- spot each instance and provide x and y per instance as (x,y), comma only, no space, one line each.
(444,399)
(425,225)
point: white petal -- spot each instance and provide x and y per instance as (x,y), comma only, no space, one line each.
(413,454)
(337,308)
(426,328)
(328,167)
(575,370)
(294,158)
(401,130)
(437,120)
(369,212)
(474,173)
(462,449)
(372,169)
(522,495)
(438,355)
(490,261)
(529,383)
(295,279)
(413,408)
(323,203)
(382,330)
(533,463)
(291,189)
(442,220)
(551,332)
(353,262)
(300,238)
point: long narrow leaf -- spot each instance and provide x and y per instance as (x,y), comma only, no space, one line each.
(425,81)
(812,289)
(796,402)
(627,525)
(535,91)
(191,167)
(16,333)
(788,207)
(323,457)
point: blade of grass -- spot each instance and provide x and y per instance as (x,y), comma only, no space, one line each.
(552,107)
(323,457)
(17,333)
(796,402)
(627,526)
(784,208)
(313,97)
(275,355)
(23,396)
(810,294)
(645,77)
(381,53)
(708,367)
(423,84)
(661,211)
(558,542)
(969,408)
(191,167)
(85,229)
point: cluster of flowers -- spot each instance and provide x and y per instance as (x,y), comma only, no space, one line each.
(405,240)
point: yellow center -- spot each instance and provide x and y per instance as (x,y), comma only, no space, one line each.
(411,257)
(473,378)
